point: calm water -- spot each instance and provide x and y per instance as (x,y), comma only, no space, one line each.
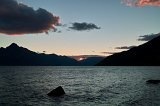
(84,86)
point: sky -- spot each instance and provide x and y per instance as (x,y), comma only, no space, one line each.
(82,27)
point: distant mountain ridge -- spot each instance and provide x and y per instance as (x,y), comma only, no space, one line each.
(90,61)
(15,55)
(147,54)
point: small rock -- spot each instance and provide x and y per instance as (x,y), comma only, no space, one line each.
(153,81)
(59,91)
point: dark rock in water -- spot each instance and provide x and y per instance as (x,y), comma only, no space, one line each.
(153,81)
(57,92)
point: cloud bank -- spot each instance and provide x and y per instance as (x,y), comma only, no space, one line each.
(125,47)
(108,53)
(18,18)
(83,26)
(142,3)
(148,37)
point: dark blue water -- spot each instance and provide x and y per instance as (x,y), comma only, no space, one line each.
(84,86)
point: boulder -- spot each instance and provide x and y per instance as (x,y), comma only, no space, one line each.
(153,81)
(59,91)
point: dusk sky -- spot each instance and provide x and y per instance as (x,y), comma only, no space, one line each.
(88,27)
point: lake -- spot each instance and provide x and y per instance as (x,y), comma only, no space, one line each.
(84,86)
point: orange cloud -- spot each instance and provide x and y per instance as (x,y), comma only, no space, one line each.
(142,3)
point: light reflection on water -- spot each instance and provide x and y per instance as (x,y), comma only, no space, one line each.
(84,86)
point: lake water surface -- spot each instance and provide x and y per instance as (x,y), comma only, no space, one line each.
(84,86)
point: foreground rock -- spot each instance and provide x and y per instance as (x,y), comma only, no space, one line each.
(59,91)
(153,81)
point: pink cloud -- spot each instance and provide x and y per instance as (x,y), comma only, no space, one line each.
(142,3)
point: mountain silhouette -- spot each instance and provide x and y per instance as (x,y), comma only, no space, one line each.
(90,61)
(147,54)
(14,55)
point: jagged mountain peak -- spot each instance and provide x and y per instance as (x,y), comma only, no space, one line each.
(13,45)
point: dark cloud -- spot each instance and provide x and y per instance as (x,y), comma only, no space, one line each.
(18,18)
(148,37)
(125,47)
(108,52)
(83,26)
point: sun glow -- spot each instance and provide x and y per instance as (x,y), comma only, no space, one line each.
(81,58)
